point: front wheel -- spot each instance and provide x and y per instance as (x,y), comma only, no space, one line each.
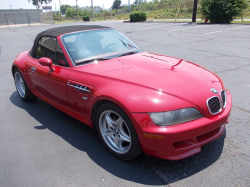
(117,132)
(22,87)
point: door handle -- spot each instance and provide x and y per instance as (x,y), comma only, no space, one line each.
(33,69)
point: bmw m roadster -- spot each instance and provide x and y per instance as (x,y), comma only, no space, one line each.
(137,101)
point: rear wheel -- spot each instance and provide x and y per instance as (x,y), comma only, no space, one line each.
(117,132)
(21,87)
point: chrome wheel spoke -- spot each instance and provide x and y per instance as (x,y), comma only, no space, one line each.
(22,86)
(115,138)
(109,122)
(119,146)
(124,137)
(118,123)
(109,133)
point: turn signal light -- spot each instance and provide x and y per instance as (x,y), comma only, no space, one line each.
(158,137)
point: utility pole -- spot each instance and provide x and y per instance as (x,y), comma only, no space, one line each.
(60,7)
(10,6)
(76,11)
(194,11)
(129,5)
(92,10)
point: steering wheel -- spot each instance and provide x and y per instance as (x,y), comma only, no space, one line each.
(87,46)
(109,45)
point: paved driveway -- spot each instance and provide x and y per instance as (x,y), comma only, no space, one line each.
(42,146)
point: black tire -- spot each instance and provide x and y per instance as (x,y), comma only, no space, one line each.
(121,134)
(22,87)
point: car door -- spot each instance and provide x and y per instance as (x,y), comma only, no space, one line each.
(50,82)
(81,96)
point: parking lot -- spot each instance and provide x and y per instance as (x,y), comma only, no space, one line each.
(42,146)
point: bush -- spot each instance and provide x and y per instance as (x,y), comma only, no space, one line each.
(138,16)
(85,18)
(222,11)
(58,19)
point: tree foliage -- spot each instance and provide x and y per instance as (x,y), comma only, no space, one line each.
(63,8)
(139,2)
(71,12)
(38,3)
(222,11)
(116,4)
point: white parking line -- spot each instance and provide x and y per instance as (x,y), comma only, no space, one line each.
(227,29)
(134,25)
(194,27)
(189,28)
(155,27)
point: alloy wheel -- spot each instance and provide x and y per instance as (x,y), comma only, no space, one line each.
(20,84)
(115,131)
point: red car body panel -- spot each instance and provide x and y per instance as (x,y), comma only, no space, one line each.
(186,83)
(139,84)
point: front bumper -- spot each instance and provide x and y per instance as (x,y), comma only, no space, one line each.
(182,140)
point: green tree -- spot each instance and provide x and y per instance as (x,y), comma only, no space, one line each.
(222,11)
(56,14)
(70,12)
(38,3)
(63,8)
(84,12)
(116,4)
(138,2)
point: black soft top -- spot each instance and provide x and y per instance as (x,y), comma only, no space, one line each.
(54,32)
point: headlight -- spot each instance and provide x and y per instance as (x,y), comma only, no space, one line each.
(175,116)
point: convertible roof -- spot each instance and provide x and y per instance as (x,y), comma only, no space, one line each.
(54,32)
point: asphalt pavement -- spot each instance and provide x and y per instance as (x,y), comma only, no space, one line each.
(42,146)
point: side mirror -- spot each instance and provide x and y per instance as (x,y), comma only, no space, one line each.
(44,61)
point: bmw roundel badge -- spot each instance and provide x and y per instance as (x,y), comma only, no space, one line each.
(214,90)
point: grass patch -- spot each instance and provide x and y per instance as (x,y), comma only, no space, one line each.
(67,21)
(241,22)
(177,21)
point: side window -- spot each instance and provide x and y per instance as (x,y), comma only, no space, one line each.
(60,58)
(46,48)
(49,47)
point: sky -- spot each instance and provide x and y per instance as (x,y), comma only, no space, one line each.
(16,4)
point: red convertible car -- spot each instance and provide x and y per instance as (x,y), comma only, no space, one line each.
(138,101)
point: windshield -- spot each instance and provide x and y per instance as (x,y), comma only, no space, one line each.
(98,44)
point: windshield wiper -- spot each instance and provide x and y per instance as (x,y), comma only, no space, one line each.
(91,59)
(128,53)
(127,44)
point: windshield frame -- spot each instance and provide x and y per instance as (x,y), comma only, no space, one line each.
(104,55)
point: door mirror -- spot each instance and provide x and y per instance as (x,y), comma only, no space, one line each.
(45,61)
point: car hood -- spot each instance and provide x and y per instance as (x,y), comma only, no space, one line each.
(169,75)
